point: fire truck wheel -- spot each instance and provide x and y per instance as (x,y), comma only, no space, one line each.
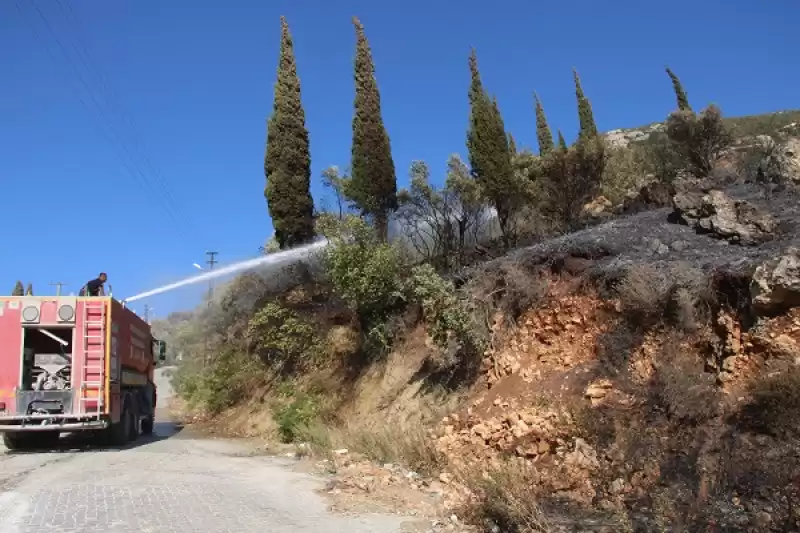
(17,441)
(118,433)
(134,413)
(147,425)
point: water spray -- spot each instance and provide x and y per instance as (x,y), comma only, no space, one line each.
(270,260)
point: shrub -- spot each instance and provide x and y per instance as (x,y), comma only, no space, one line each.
(225,381)
(643,293)
(505,500)
(446,313)
(659,157)
(687,392)
(763,162)
(366,273)
(679,296)
(775,404)
(626,170)
(572,178)
(281,337)
(296,418)
(393,443)
(699,140)
(438,224)
(522,290)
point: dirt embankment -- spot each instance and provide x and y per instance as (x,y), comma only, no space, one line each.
(648,382)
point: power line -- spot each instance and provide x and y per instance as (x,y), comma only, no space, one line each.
(133,173)
(93,68)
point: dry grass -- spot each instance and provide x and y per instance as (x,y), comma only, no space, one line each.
(505,500)
(775,404)
(409,446)
(688,392)
(680,296)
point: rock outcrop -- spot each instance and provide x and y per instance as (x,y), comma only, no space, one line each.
(716,213)
(775,286)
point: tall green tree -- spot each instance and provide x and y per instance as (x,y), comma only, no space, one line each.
(372,186)
(512,144)
(489,153)
(543,134)
(562,143)
(287,164)
(29,290)
(680,93)
(574,173)
(585,115)
(19,289)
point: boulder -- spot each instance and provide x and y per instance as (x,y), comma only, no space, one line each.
(651,195)
(775,286)
(719,215)
(790,155)
(598,207)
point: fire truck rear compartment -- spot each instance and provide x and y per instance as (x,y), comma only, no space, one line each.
(45,387)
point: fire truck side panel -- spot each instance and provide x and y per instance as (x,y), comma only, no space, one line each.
(10,351)
(135,349)
(131,360)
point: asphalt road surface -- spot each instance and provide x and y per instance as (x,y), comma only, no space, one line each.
(169,482)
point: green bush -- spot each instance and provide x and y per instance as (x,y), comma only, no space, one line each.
(626,170)
(446,314)
(699,140)
(225,381)
(280,336)
(366,273)
(296,417)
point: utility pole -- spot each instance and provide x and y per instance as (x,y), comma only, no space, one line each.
(58,285)
(211,261)
(147,313)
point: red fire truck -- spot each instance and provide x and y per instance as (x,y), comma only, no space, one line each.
(72,364)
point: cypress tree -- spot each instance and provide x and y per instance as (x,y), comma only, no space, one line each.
(489,154)
(29,290)
(680,94)
(19,289)
(562,144)
(512,144)
(373,183)
(543,134)
(287,164)
(585,115)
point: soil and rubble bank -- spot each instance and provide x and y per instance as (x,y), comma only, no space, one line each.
(620,417)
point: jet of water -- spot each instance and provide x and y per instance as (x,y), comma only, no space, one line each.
(270,260)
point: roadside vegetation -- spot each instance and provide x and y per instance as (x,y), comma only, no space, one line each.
(439,279)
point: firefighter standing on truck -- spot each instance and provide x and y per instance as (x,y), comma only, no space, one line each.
(95,286)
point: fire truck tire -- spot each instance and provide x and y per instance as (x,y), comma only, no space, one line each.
(118,433)
(147,425)
(17,441)
(134,425)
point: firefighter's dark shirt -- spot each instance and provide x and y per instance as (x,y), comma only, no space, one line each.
(93,287)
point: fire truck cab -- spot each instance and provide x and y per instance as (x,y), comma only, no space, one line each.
(74,364)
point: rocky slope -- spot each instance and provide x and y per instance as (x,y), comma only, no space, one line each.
(626,389)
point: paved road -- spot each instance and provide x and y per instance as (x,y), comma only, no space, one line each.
(170,482)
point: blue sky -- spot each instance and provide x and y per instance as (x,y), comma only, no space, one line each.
(180,92)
